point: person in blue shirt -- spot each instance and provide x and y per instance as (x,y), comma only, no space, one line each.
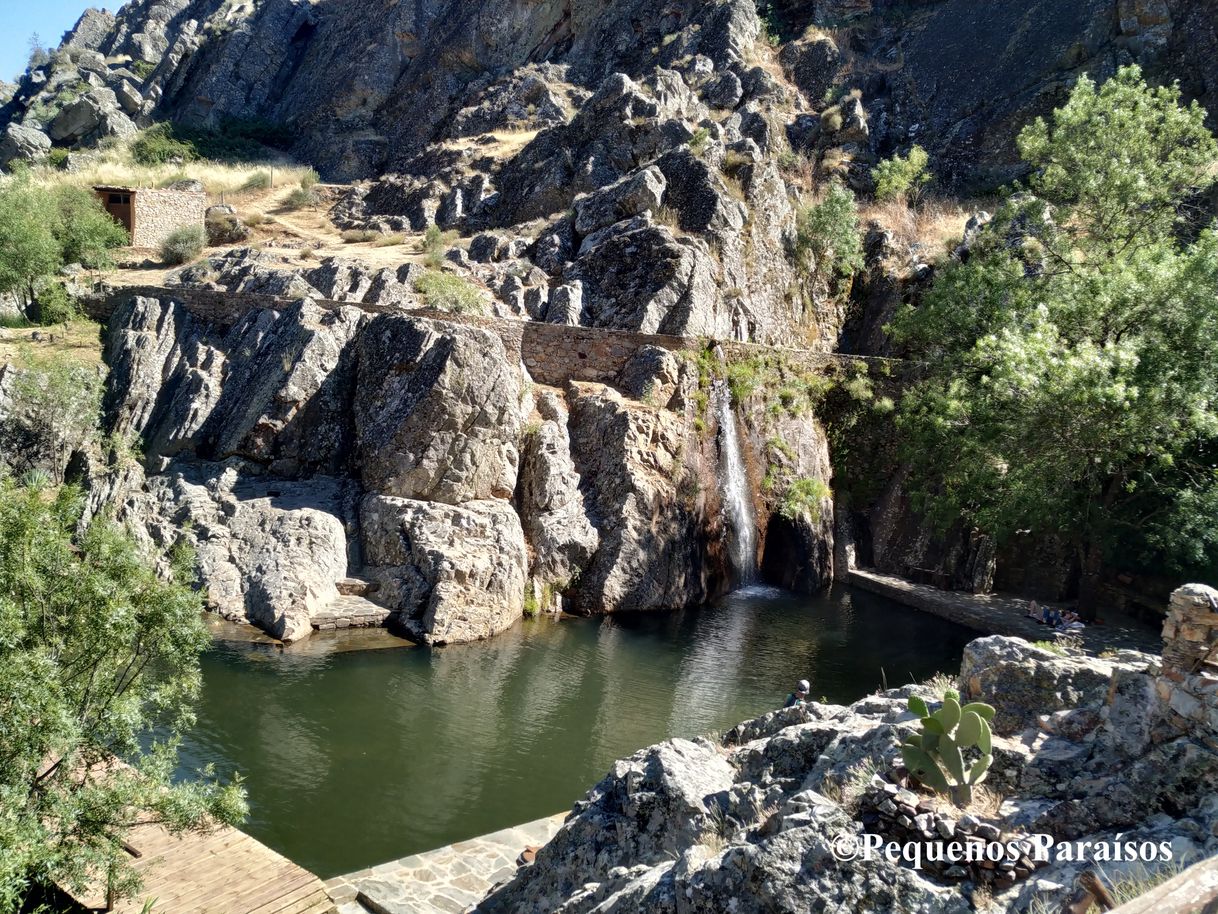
(800,695)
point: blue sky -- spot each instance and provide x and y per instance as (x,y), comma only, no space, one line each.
(19,19)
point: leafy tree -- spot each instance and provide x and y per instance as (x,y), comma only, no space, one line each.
(29,249)
(902,177)
(39,54)
(85,231)
(41,229)
(828,233)
(98,663)
(1070,382)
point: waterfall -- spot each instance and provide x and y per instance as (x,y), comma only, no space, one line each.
(734,481)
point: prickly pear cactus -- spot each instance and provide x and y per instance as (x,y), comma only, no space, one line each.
(942,755)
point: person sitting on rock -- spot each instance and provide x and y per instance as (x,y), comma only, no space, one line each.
(800,695)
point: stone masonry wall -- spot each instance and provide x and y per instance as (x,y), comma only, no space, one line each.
(1188,684)
(157,213)
(553,353)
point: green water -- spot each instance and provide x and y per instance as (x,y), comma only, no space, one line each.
(356,758)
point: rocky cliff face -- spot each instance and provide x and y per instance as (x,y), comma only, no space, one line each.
(316,455)
(1084,751)
(957,77)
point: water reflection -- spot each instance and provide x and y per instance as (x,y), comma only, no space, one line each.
(356,758)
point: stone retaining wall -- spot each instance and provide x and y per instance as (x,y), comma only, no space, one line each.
(1188,685)
(553,353)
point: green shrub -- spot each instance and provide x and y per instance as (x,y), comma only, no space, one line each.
(902,177)
(58,400)
(310,179)
(447,292)
(358,236)
(86,232)
(45,228)
(100,661)
(259,180)
(58,158)
(183,245)
(225,228)
(803,498)
(828,233)
(142,68)
(53,305)
(697,142)
(299,198)
(158,145)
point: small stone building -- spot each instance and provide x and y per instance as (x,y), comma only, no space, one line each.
(151,214)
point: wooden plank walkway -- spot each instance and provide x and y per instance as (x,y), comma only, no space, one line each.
(223,871)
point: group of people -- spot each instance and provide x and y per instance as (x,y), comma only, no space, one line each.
(1065,622)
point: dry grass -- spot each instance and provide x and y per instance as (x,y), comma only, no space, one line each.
(498,144)
(937,225)
(115,167)
(80,339)
(849,792)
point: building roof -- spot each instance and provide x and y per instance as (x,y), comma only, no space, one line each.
(117,188)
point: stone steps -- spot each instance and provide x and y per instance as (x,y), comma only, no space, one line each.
(350,610)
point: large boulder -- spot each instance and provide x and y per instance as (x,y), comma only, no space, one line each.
(91,30)
(812,64)
(438,412)
(1023,682)
(450,573)
(22,144)
(633,195)
(637,275)
(650,806)
(561,538)
(653,548)
(286,402)
(94,116)
(270,552)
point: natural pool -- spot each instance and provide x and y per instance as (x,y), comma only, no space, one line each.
(358,757)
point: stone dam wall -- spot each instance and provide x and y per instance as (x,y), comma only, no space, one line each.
(554,354)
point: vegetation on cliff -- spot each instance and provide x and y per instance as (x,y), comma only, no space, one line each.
(98,662)
(43,229)
(1070,382)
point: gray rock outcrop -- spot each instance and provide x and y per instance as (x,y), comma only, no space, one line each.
(269,552)
(438,416)
(452,573)
(552,508)
(23,144)
(653,554)
(756,824)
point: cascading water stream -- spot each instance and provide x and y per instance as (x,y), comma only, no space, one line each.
(737,496)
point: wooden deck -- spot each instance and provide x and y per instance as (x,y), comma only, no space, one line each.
(224,871)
